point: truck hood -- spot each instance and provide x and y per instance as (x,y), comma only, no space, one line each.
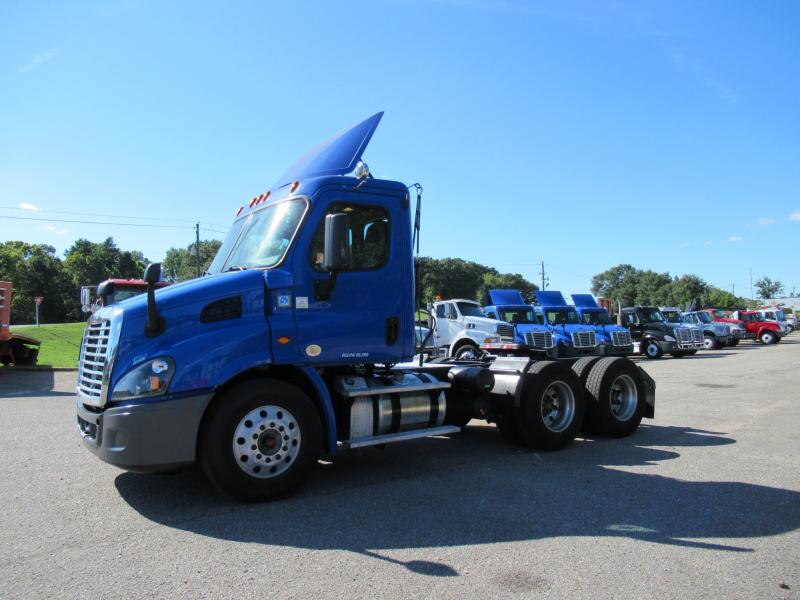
(483,323)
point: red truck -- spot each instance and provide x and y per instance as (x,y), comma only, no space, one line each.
(15,349)
(112,291)
(755,326)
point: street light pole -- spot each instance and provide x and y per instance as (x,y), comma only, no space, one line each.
(197,245)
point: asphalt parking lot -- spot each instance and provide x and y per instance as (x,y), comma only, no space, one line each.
(702,502)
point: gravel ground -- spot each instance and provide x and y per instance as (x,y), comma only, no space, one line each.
(702,502)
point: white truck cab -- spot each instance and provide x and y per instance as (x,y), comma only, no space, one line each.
(460,328)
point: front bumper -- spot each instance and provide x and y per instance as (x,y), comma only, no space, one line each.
(610,350)
(148,437)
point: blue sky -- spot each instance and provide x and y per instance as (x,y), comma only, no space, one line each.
(584,134)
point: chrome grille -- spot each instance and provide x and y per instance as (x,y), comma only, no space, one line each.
(505,331)
(584,339)
(697,335)
(539,339)
(94,352)
(97,355)
(684,337)
(621,338)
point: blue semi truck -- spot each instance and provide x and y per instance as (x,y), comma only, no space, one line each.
(291,348)
(572,338)
(614,340)
(530,336)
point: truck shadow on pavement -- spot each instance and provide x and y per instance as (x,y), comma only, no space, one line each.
(476,489)
(28,384)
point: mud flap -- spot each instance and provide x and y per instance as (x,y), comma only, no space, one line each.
(650,394)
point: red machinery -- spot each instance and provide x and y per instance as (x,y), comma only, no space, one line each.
(15,349)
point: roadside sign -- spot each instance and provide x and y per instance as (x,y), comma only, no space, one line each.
(38,299)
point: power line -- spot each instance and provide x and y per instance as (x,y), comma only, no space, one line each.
(88,214)
(96,222)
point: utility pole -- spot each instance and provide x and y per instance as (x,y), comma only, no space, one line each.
(751,284)
(733,289)
(197,245)
(545,279)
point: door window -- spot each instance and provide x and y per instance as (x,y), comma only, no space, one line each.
(368,237)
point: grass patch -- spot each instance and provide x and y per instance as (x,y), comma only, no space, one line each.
(61,342)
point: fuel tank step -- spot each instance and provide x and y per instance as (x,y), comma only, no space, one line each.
(401,436)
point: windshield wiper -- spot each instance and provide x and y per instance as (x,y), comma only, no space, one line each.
(236,268)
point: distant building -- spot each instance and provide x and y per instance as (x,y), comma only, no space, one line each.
(793,303)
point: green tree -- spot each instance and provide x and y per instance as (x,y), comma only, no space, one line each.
(35,270)
(768,288)
(180,264)
(89,263)
(618,283)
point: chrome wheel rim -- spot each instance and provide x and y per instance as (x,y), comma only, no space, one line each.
(266,442)
(624,397)
(467,353)
(558,406)
(708,343)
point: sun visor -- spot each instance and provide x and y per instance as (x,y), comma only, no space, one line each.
(337,156)
(550,298)
(584,300)
(500,297)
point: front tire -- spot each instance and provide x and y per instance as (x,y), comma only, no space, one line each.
(652,349)
(260,439)
(467,352)
(767,338)
(710,343)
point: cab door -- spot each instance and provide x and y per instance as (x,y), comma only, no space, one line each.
(632,323)
(362,319)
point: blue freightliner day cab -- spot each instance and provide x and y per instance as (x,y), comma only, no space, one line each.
(613,339)
(530,337)
(290,348)
(570,336)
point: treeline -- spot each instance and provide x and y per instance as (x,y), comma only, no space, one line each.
(35,270)
(457,278)
(629,285)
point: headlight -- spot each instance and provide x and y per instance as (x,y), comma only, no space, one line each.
(148,379)
(669,338)
(491,340)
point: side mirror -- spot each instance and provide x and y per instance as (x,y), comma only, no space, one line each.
(106,288)
(336,255)
(152,274)
(155,323)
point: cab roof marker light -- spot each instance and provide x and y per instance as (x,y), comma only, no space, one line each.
(238,212)
(253,201)
(294,187)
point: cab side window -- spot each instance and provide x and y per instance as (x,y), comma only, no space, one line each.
(368,235)
(631,319)
(451,311)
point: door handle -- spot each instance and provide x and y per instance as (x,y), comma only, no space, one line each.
(392,330)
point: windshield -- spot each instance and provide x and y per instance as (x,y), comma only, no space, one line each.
(720,315)
(597,318)
(652,314)
(468,309)
(518,315)
(261,239)
(704,317)
(562,315)
(123,294)
(672,316)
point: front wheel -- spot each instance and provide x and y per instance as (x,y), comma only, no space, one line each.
(260,439)
(652,349)
(710,343)
(467,352)
(767,338)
